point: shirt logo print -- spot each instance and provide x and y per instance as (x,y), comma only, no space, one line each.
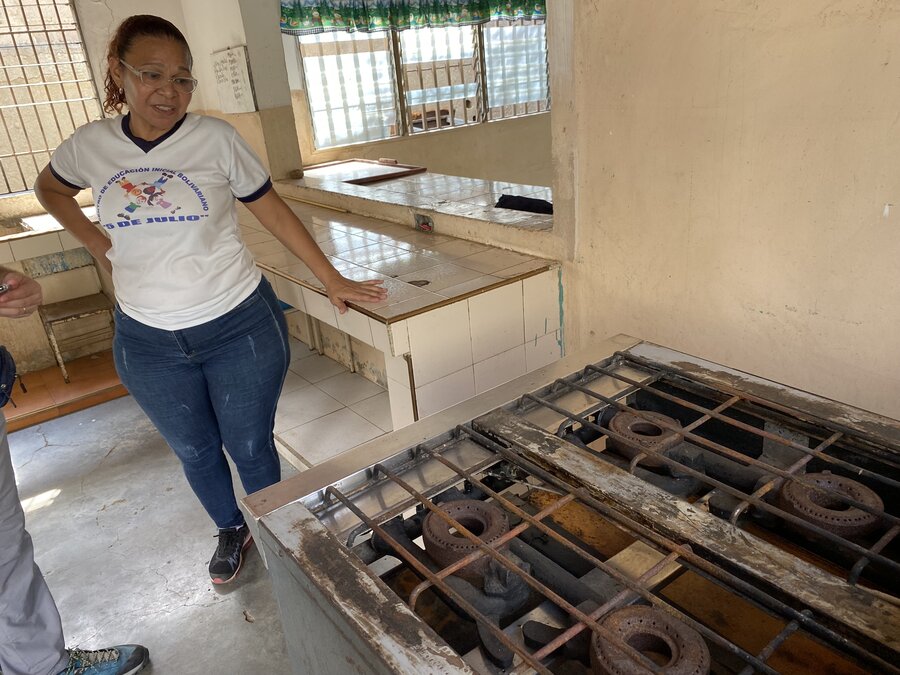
(141,194)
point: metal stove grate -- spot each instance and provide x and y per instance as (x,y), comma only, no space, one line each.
(854,486)
(552,584)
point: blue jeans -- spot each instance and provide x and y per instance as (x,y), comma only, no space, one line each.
(212,385)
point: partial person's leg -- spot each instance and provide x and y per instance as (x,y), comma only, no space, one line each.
(245,377)
(166,378)
(31,637)
(245,362)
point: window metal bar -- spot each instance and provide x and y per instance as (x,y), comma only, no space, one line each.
(41,36)
(480,73)
(19,165)
(93,91)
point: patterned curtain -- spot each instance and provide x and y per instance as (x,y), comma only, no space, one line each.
(304,17)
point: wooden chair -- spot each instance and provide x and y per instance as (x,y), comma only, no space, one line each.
(58,313)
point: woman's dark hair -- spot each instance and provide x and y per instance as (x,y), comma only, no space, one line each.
(132,28)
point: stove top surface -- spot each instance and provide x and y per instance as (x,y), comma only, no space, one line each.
(643,512)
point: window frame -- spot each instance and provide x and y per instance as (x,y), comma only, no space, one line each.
(401,88)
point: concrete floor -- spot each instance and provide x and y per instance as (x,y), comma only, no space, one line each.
(124,545)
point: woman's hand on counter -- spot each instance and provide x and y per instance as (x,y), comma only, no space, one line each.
(22,297)
(341,290)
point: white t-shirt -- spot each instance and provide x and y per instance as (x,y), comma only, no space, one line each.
(168,206)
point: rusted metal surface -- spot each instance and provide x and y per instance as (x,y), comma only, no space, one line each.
(446,548)
(880,429)
(682,650)
(362,599)
(870,619)
(819,508)
(651,434)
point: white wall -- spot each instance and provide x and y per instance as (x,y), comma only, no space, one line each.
(98,20)
(728,174)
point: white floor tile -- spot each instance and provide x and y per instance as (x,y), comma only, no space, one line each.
(290,456)
(376,409)
(317,368)
(301,406)
(322,439)
(293,381)
(300,350)
(349,388)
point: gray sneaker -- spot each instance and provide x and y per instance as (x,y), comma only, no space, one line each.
(118,660)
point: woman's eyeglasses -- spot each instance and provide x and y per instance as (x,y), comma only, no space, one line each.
(151,78)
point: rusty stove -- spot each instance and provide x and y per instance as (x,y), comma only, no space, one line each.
(634,511)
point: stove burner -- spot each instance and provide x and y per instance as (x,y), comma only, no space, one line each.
(651,438)
(482,519)
(649,631)
(827,511)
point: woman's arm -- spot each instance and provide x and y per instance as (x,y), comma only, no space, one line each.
(278,218)
(59,201)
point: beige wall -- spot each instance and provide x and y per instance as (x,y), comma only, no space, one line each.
(731,171)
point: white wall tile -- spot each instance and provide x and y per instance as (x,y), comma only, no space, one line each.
(32,247)
(499,369)
(290,292)
(445,392)
(497,321)
(541,295)
(356,324)
(380,339)
(6,254)
(397,369)
(401,405)
(68,241)
(319,306)
(542,351)
(440,343)
(399,337)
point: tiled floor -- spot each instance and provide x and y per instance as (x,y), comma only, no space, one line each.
(325,409)
(92,380)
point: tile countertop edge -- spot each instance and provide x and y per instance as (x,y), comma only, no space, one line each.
(542,243)
(437,305)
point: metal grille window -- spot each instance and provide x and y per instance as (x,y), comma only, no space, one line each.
(46,89)
(516,72)
(364,87)
(350,87)
(440,76)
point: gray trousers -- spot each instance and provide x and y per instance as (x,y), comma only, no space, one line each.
(31,637)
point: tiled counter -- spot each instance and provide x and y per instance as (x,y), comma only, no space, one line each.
(460,317)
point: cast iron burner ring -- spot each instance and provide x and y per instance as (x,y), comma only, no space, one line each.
(649,435)
(649,631)
(828,512)
(484,520)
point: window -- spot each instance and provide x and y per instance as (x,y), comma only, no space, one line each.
(46,89)
(447,77)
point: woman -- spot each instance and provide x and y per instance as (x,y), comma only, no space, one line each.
(200,340)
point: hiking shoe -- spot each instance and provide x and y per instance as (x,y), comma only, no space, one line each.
(226,561)
(118,660)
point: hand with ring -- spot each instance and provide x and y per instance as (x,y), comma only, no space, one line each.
(22,297)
